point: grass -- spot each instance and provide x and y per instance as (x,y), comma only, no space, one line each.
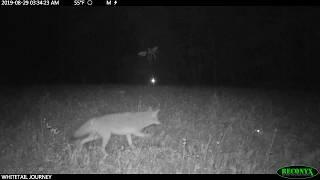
(204,130)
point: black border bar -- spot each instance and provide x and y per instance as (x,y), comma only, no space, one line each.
(192,3)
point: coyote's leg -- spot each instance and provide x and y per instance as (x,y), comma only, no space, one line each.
(105,140)
(91,137)
(129,139)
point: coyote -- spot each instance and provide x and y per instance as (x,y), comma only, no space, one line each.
(126,123)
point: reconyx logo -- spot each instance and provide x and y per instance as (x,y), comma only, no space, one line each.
(297,172)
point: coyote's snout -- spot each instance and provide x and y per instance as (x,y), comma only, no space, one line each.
(128,123)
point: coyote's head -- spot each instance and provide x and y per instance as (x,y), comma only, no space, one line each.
(154,116)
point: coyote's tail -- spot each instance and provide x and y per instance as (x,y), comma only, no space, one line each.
(85,129)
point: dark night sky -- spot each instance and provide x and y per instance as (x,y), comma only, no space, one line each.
(197,45)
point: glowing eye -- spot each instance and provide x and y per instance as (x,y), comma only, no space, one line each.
(153,80)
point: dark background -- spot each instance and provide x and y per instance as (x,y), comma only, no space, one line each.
(242,46)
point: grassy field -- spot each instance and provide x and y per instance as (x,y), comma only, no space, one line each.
(203,130)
